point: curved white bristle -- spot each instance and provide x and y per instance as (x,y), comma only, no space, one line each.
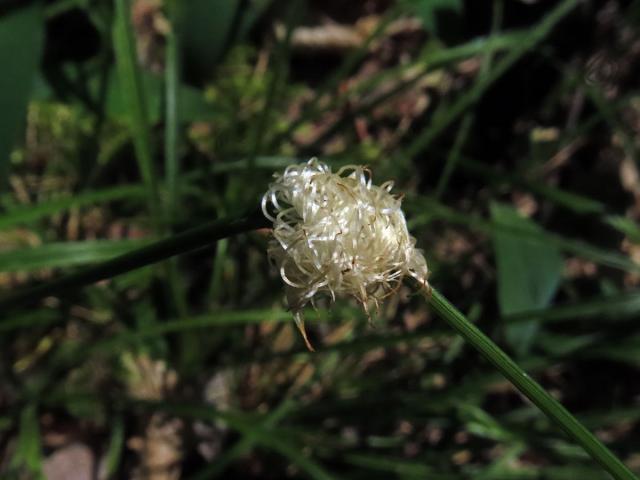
(338,234)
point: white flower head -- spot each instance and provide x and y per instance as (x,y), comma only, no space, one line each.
(337,234)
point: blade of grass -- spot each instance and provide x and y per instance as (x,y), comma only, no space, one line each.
(202,322)
(573,202)
(529,387)
(62,6)
(403,468)
(133,91)
(576,203)
(181,243)
(427,63)
(244,445)
(251,429)
(217,274)
(113,455)
(39,318)
(608,111)
(337,76)
(281,70)
(465,125)
(172,169)
(448,116)
(249,425)
(64,254)
(28,453)
(454,154)
(32,213)
(615,308)
(427,209)
(626,350)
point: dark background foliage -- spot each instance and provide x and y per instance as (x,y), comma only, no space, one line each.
(510,126)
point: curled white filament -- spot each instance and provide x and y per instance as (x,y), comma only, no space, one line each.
(338,234)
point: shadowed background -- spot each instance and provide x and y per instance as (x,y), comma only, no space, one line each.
(510,126)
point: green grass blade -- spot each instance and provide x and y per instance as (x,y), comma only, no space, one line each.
(331,84)
(244,445)
(429,209)
(172,167)
(428,62)
(451,114)
(467,121)
(529,387)
(281,53)
(454,154)
(29,449)
(615,308)
(571,201)
(201,322)
(267,438)
(403,468)
(113,456)
(65,254)
(38,318)
(190,240)
(132,88)
(29,214)
(624,225)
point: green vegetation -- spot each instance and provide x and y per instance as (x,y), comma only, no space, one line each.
(142,326)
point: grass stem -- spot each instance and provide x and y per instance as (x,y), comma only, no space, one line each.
(133,91)
(161,250)
(529,387)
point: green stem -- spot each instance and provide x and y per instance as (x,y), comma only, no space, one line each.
(133,92)
(529,387)
(184,242)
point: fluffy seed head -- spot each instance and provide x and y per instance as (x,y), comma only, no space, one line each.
(338,234)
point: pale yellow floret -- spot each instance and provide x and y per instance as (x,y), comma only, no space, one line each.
(339,235)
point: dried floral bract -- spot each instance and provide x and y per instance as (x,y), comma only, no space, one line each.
(338,234)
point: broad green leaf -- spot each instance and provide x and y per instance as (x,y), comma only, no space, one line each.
(21,34)
(211,28)
(65,254)
(210,25)
(529,272)
(193,105)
